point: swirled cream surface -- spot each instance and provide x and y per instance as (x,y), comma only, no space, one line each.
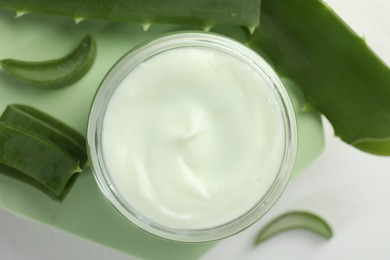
(192,138)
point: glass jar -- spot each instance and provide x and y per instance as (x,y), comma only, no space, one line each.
(138,56)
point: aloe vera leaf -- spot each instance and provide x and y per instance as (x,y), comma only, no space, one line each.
(22,177)
(295,220)
(339,74)
(54,73)
(46,126)
(36,157)
(206,13)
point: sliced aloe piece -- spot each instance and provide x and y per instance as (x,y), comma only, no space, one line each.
(54,73)
(340,76)
(46,126)
(36,157)
(22,177)
(295,220)
(206,13)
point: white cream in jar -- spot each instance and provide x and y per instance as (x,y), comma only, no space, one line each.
(193,138)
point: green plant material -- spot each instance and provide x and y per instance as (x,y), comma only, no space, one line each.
(54,73)
(46,126)
(339,74)
(295,220)
(306,42)
(40,150)
(206,13)
(36,157)
(22,177)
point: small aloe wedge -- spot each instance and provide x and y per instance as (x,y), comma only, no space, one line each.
(340,76)
(295,220)
(31,119)
(54,73)
(206,13)
(38,158)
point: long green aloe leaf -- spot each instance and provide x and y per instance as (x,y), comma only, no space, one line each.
(339,74)
(203,12)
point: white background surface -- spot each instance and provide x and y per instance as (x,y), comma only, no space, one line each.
(349,188)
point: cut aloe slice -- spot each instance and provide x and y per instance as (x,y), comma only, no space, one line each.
(295,220)
(46,126)
(57,72)
(36,157)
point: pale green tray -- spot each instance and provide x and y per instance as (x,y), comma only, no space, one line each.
(85,212)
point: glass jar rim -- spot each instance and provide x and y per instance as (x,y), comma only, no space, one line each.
(151,48)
